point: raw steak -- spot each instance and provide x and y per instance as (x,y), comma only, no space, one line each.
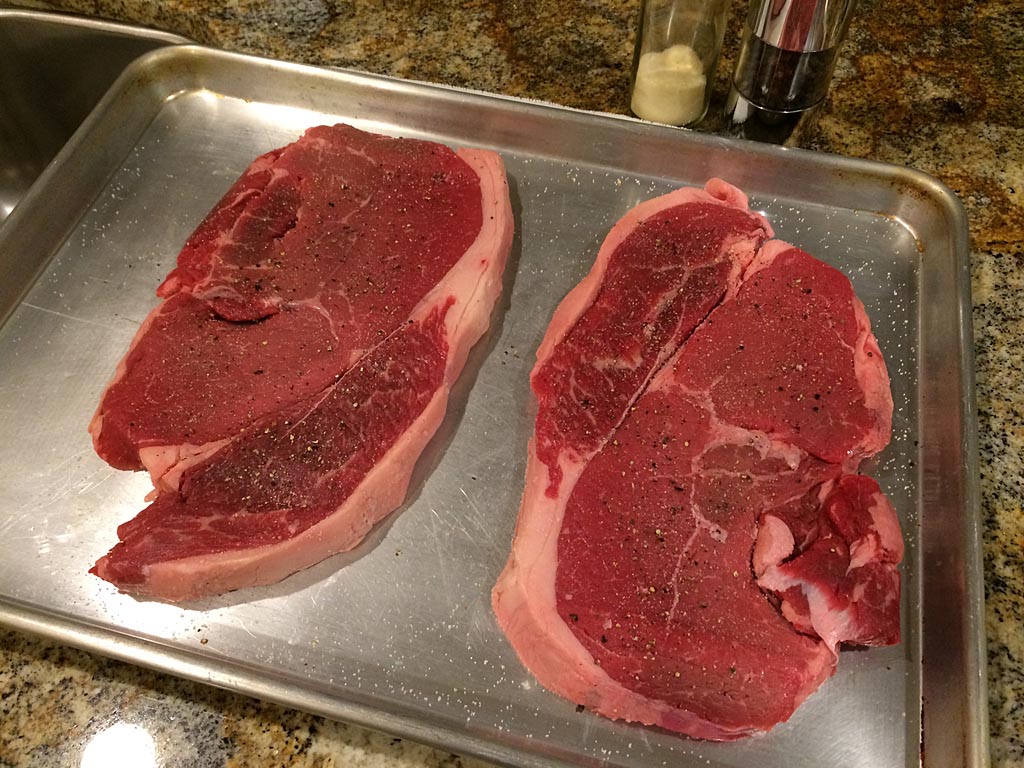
(691,548)
(369,292)
(319,251)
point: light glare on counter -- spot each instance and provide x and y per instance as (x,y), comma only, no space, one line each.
(121,745)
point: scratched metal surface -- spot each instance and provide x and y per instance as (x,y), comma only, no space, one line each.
(399,634)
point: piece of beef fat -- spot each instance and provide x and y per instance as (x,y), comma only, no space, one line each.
(832,563)
(666,468)
(386,271)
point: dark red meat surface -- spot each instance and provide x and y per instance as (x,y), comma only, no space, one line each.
(315,254)
(302,357)
(653,294)
(293,468)
(691,548)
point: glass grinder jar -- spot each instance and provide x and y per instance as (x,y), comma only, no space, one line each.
(677,47)
(786,60)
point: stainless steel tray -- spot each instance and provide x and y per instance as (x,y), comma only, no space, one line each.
(399,635)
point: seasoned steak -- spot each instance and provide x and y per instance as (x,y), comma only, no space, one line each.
(302,357)
(691,547)
(318,252)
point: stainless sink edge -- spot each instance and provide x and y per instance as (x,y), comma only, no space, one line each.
(54,69)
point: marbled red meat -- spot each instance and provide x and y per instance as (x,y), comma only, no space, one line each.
(631,586)
(833,562)
(318,251)
(302,358)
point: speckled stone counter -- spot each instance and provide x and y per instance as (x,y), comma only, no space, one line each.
(934,86)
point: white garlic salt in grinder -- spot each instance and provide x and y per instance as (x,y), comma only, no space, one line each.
(677,46)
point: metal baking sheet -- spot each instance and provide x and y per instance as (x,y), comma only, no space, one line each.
(399,634)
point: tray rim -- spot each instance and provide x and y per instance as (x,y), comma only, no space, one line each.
(235,676)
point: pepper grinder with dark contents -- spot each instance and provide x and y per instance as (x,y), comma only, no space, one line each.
(785,64)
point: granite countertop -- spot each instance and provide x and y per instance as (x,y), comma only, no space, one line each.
(934,86)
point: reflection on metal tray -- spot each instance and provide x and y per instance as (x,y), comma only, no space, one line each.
(399,635)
